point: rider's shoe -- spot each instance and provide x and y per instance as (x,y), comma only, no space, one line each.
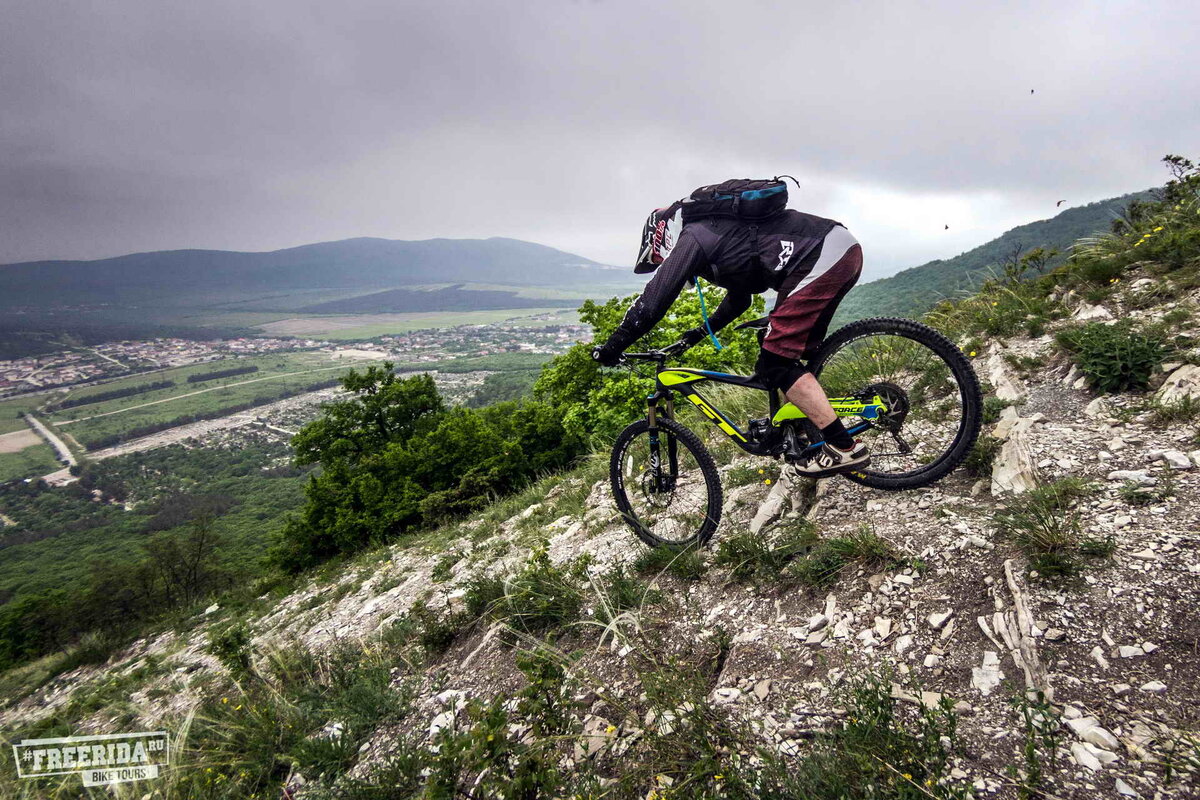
(826,460)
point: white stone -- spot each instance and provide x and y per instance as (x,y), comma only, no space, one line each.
(441,722)
(1130,651)
(1097,655)
(817,622)
(1101,738)
(1146,555)
(1083,757)
(1153,687)
(1182,383)
(1176,460)
(903,643)
(726,695)
(1013,470)
(987,677)
(1121,689)
(1087,312)
(1098,408)
(1137,475)
(214,608)
(1124,789)
(939,618)
(1054,635)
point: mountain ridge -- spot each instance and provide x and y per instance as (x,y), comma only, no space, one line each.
(912,291)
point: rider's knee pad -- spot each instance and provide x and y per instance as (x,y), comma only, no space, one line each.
(778,372)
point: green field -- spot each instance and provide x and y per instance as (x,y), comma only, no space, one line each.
(347,327)
(277,375)
(33,461)
(10,412)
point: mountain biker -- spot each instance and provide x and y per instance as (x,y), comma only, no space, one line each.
(810,261)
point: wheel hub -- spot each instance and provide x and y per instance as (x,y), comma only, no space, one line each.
(896,400)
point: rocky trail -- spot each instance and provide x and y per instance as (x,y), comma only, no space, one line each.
(1103,659)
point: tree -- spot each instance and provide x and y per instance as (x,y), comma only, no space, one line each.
(599,402)
(384,408)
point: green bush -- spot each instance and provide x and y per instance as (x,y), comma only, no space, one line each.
(1044,522)
(1114,358)
(978,462)
(393,459)
(600,402)
(686,565)
(231,646)
(750,555)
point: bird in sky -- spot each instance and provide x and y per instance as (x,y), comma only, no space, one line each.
(947,227)
(1031,91)
(1059,203)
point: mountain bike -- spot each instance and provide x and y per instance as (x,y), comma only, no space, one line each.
(900,386)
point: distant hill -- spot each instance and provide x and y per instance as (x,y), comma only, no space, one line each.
(199,278)
(916,290)
(450,298)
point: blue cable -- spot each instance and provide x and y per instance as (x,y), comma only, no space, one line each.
(704,314)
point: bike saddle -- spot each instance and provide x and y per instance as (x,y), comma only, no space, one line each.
(754,324)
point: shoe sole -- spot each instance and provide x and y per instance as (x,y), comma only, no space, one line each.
(829,473)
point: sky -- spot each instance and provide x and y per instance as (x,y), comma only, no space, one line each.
(130,126)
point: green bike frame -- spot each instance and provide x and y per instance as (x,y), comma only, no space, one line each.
(683,380)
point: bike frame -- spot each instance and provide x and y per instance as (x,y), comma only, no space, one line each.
(669,380)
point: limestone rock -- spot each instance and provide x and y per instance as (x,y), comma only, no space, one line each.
(1184,382)
(1087,313)
(987,677)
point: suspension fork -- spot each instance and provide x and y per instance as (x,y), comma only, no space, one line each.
(662,482)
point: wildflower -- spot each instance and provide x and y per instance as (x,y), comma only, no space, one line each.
(718,777)
(225,701)
(610,729)
(1135,244)
(994,303)
(1156,230)
(238,707)
(908,776)
(972,354)
(767,481)
(760,472)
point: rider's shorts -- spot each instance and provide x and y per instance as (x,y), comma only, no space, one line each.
(809,296)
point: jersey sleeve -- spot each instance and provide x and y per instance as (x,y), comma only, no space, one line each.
(735,304)
(660,292)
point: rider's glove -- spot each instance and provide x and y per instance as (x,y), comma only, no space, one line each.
(606,356)
(689,339)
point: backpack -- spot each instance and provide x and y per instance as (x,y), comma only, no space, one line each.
(739,198)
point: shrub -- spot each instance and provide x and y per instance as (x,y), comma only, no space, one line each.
(621,591)
(231,646)
(542,596)
(1114,358)
(686,565)
(1045,524)
(979,460)
(827,560)
(750,555)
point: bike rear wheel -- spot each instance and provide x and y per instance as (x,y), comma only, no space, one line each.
(935,403)
(665,484)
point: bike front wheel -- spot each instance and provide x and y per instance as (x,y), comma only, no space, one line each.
(935,407)
(665,484)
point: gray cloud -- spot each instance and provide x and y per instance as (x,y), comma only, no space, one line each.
(146,125)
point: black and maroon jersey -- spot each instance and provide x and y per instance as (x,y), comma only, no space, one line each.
(745,258)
